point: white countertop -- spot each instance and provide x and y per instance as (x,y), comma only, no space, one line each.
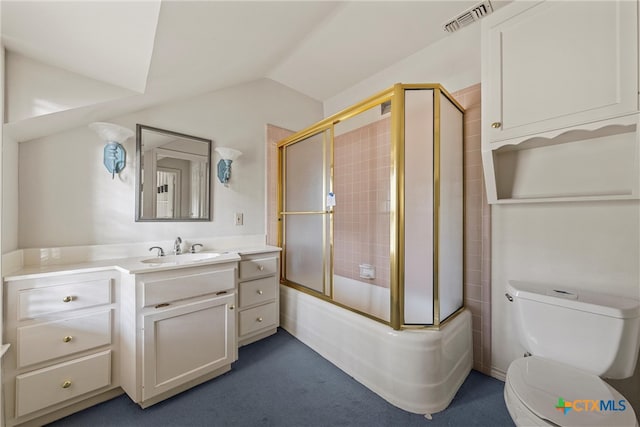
(134,265)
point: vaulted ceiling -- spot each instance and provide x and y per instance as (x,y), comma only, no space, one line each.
(159,50)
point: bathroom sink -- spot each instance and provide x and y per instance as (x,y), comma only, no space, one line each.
(182,259)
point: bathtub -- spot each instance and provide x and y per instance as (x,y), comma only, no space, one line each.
(416,370)
(362,296)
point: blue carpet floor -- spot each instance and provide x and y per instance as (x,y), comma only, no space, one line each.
(281,382)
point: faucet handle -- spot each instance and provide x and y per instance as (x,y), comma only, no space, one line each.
(177,246)
(160,250)
(193,247)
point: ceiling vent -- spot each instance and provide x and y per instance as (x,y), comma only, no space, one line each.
(469,16)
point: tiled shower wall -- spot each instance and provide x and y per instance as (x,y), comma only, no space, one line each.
(362,166)
(361,219)
(477,233)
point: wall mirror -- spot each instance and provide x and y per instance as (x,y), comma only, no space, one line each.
(173,182)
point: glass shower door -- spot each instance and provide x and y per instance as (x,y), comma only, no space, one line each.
(306,221)
(362,216)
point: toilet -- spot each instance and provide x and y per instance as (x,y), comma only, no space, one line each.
(574,338)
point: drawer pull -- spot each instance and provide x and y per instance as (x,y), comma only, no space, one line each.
(259,291)
(164,304)
(496,125)
(68,298)
(221,293)
(67,338)
(261,267)
(259,319)
(66,384)
(231,307)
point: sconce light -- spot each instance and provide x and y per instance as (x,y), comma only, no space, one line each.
(228,155)
(114,154)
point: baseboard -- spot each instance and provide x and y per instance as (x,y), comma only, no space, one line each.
(498,374)
(253,338)
(186,386)
(71,409)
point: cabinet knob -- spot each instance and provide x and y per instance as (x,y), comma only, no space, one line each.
(259,292)
(67,338)
(231,307)
(66,384)
(496,125)
(68,298)
(259,319)
(261,267)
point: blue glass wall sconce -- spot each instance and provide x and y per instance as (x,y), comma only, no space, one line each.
(227,156)
(115,156)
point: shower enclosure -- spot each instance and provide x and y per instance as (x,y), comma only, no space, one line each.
(371,207)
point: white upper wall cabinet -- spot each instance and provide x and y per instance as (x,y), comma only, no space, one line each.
(560,101)
(554,64)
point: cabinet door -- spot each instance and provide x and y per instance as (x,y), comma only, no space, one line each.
(186,342)
(558,64)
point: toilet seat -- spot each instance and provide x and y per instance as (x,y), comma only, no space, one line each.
(534,385)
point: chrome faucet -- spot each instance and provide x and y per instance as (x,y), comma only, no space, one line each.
(176,246)
(160,251)
(193,247)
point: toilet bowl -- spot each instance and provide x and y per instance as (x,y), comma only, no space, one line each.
(538,392)
(575,338)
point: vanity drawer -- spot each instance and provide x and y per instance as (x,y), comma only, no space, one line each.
(44,341)
(258,267)
(163,290)
(257,318)
(45,387)
(36,302)
(257,291)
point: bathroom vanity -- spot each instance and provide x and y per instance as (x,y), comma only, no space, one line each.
(152,328)
(178,328)
(258,300)
(64,342)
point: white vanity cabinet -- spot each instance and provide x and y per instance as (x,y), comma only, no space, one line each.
(178,329)
(551,65)
(62,331)
(258,297)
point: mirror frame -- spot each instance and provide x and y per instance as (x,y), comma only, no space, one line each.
(139,129)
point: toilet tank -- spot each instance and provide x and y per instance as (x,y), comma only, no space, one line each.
(594,332)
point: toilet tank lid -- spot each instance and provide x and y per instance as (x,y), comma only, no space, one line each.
(592,302)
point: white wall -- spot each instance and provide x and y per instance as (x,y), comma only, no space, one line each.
(8,179)
(2,78)
(2,181)
(68,198)
(36,89)
(9,194)
(453,62)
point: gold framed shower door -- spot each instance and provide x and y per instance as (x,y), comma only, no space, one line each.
(395,95)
